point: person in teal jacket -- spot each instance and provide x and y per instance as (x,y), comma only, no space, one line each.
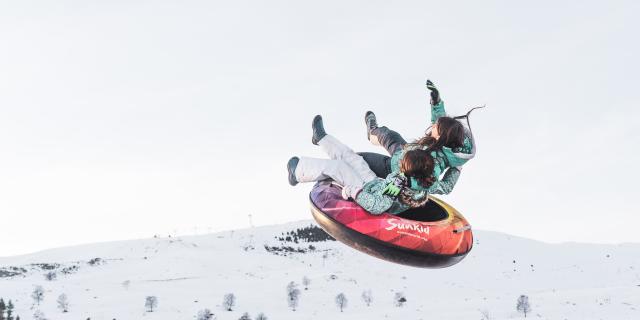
(447,140)
(374,194)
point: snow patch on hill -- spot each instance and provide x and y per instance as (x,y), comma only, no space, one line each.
(191,273)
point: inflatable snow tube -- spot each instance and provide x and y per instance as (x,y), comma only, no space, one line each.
(433,236)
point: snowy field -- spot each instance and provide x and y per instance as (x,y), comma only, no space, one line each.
(190,273)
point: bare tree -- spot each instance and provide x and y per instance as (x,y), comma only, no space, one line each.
(63,303)
(261,316)
(341,301)
(37,294)
(39,315)
(3,307)
(126,284)
(151,302)
(229,301)
(293,295)
(399,299)
(50,276)
(367,297)
(485,314)
(205,314)
(10,307)
(245,316)
(523,305)
(306,282)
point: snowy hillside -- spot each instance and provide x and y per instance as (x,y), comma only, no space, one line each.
(189,274)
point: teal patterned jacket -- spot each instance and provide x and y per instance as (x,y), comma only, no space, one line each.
(371,198)
(447,161)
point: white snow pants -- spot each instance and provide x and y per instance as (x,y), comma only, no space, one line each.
(345,167)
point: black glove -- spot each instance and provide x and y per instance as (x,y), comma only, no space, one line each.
(435,95)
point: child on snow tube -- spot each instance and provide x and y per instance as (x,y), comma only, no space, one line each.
(374,194)
(446,140)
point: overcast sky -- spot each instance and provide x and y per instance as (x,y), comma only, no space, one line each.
(125,119)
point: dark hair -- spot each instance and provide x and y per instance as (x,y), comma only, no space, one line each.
(451,135)
(418,164)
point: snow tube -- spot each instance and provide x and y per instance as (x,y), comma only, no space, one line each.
(432,236)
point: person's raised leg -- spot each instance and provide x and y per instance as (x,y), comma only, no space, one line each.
(339,151)
(333,147)
(391,140)
(313,169)
(378,163)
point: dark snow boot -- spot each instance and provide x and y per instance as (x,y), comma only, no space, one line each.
(291,168)
(318,130)
(370,122)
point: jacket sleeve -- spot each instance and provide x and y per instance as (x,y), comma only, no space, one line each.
(371,199)
(447,183)
(437,111)
(373,203)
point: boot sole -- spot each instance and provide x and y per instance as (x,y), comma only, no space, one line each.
(291,168)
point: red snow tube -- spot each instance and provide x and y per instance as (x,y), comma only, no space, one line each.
(432,236)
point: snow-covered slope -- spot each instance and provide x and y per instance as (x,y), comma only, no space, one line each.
(187,274)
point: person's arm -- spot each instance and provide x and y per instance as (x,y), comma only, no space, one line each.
(437,111)
(437,106)
(374,203)
(372,198)
(447,183)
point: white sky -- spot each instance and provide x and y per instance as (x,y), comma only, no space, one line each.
(124,119)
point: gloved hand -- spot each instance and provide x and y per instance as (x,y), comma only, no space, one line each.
(391,189)
(435,95)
